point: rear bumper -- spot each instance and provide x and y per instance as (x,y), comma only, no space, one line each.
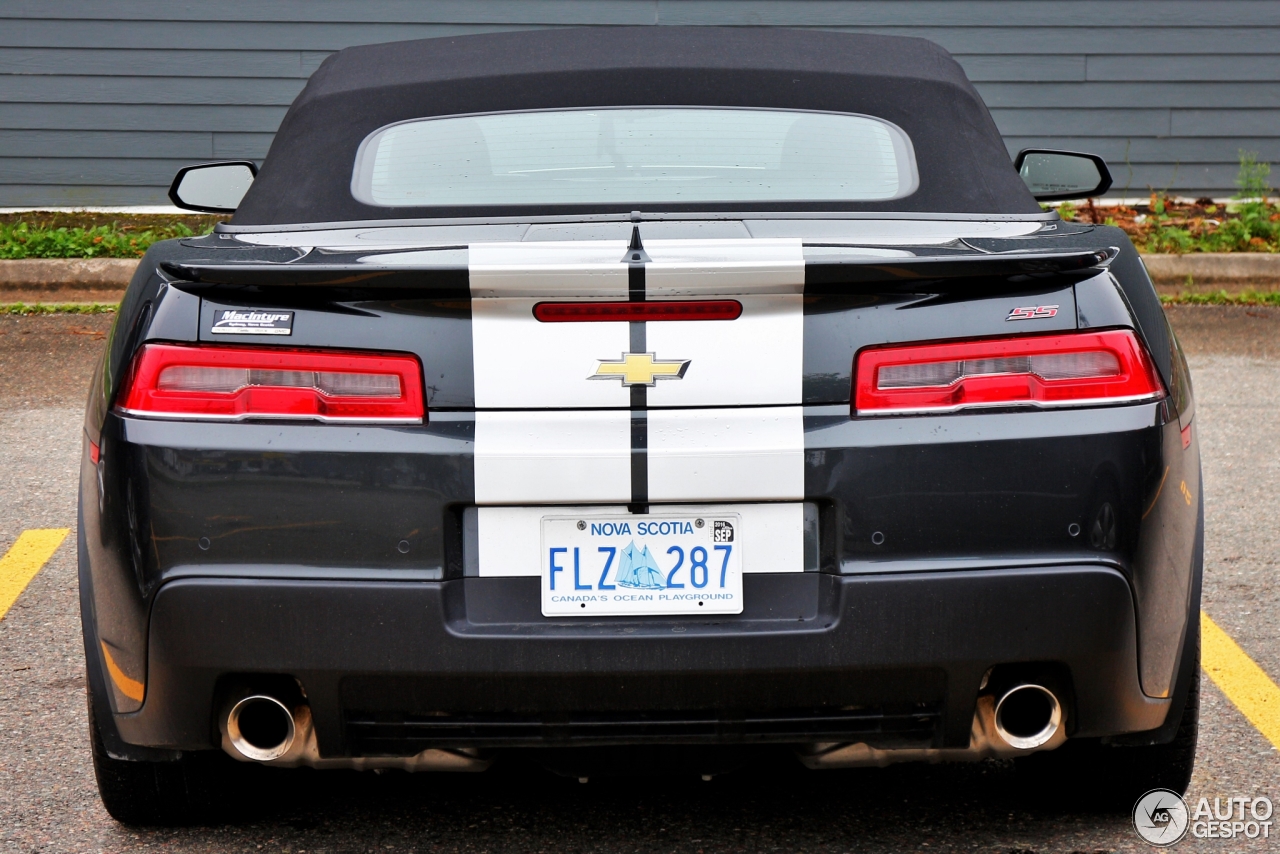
(394,666)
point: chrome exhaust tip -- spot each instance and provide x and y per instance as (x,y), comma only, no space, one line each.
(260,728)
(1027,716)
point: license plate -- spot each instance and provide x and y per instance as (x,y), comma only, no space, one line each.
(615,566)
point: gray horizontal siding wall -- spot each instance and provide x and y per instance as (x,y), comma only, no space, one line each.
(102,100)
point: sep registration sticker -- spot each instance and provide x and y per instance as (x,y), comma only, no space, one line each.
(621,566)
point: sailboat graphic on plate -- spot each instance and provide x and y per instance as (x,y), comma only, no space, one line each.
(638,570)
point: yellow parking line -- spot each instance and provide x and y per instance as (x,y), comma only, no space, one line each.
(1242,680)
(24,559)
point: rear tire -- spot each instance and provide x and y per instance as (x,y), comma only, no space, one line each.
(148,793)
(1087,772)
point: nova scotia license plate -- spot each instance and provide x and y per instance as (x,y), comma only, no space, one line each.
(633,565)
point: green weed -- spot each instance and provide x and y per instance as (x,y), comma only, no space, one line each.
(59,308)
(23,239)
(1250,223)
(1253,179)
(1224,298)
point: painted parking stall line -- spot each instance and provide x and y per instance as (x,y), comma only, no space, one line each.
(1239,677)
(24,560)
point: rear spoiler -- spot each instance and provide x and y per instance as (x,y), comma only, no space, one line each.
(1010,266)
(819,270)
(300,274)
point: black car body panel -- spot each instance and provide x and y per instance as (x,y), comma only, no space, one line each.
(890,646)
(948,492)
(1063,540)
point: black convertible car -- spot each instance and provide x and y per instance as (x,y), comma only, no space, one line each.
(573,392)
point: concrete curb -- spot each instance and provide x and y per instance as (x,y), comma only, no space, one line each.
(52,281)
(46,278)
(94,274)
(1257,269)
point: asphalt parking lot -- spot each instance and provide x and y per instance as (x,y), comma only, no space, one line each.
(48,802)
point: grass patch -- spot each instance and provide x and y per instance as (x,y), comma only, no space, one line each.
(59,308)
(52,234)
(1224,298)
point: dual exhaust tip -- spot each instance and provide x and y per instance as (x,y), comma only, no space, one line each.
(261,728)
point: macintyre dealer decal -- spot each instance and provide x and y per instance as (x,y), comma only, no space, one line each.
(240,321)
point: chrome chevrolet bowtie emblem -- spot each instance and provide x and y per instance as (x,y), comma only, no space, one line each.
(640,369)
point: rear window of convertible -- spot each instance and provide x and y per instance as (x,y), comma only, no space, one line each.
(634,155)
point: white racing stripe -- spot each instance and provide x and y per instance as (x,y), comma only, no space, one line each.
(542,457)
(584,268)
(754,453)
(552,457)
(521,363)
(756,360)
(510,538)
(724,267)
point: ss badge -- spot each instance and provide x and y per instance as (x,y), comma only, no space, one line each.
(1033,312)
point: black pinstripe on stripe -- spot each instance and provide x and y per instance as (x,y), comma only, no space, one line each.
(636,258)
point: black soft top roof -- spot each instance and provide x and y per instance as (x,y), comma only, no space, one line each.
(962,161)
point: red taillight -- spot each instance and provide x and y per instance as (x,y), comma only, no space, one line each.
(569,312)
(1075,369)
(233,383)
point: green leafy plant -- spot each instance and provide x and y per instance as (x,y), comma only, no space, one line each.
(1250,223)
(22,240)
(1223,298)
(84,234)
(58,308)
